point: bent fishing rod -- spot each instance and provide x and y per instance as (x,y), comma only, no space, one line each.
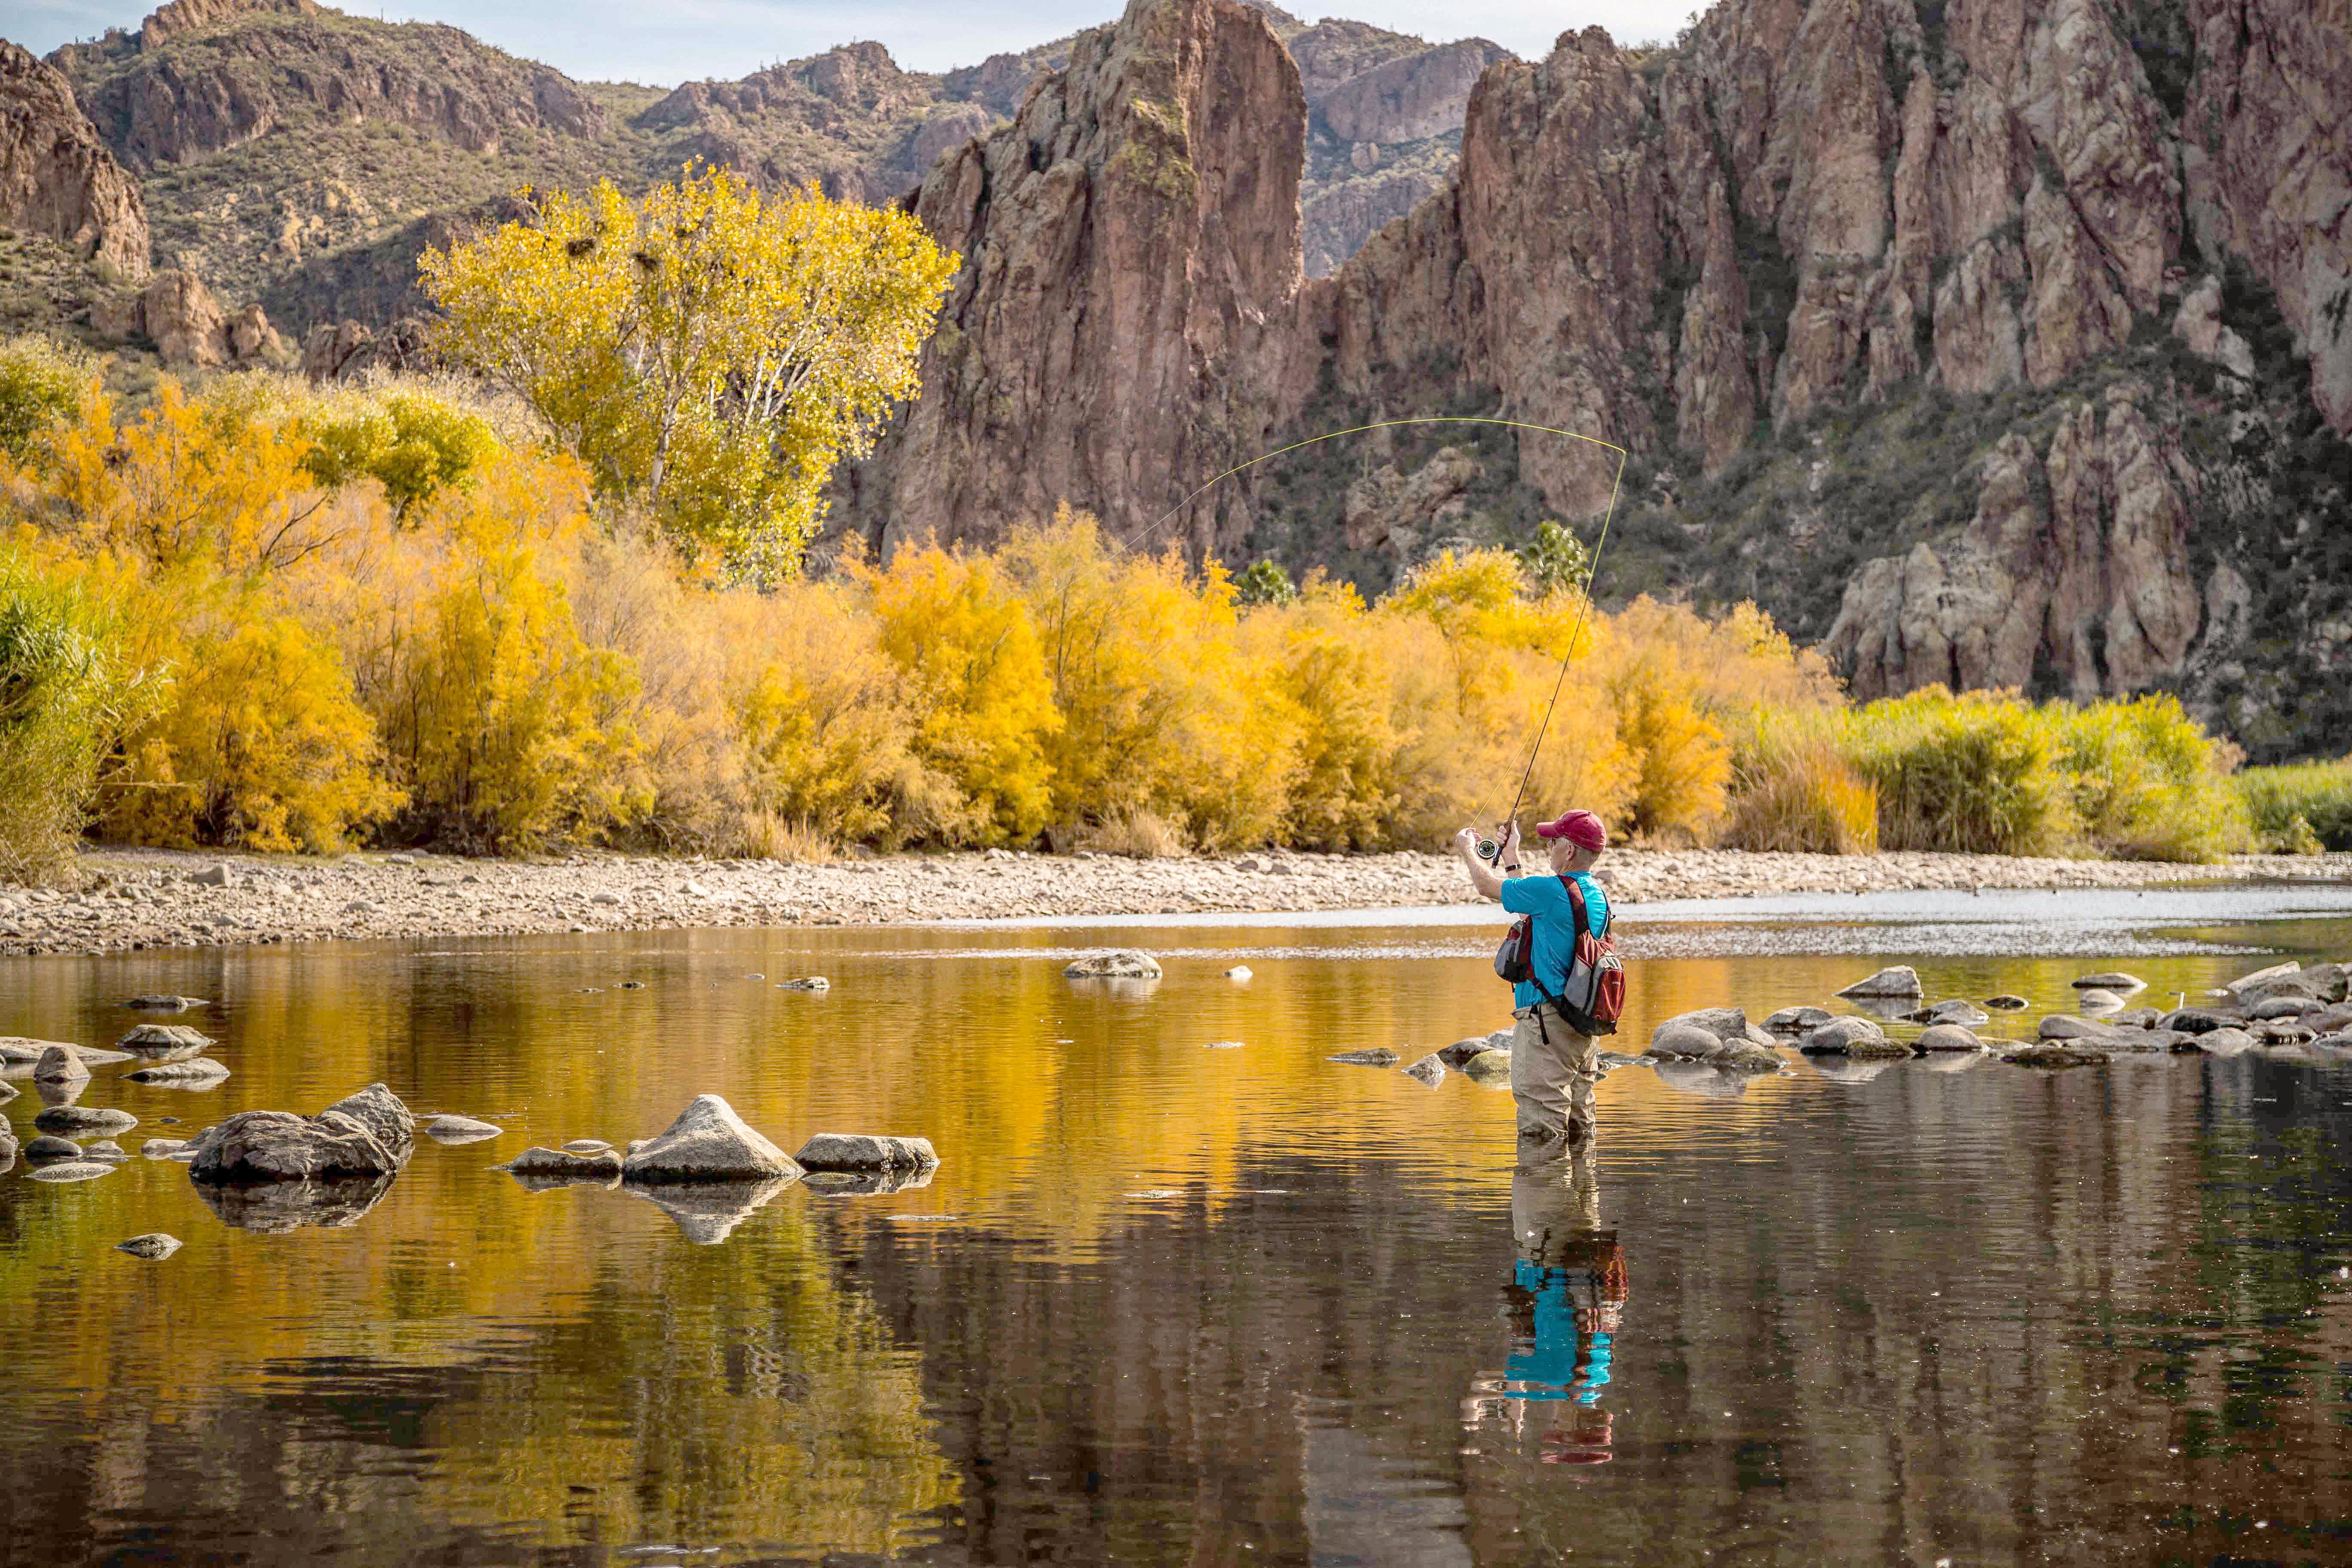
(1490,849)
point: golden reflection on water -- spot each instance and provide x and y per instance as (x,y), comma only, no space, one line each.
(478,1363)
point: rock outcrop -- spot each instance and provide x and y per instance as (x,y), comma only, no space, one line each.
(1119,325)
(179,316)
(364,1136)
(57,176)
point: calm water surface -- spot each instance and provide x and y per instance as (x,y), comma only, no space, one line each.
(1166,1303)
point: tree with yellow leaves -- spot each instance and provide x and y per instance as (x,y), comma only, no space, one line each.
(704,350)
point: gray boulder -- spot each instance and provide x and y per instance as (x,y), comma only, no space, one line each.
(560,1166)
(161,1148)
(708,1143)
(362,1136)
(60,1064)
(104,1149)
(84,1121)
(1797,1020)
(447,1129)
(74,1171)
(2066,1026)
(1950,1037)
(155,1247)
(1490,1069)
(1428,1071)
(16,1051)
(1856,1037)
(198,1072)
(2223,1042)
(1676,1041)
(2262,976)
(1726,1024)
(1378,1057)
(866,1152)
(1899,980)
(2137,1019)
(1966,1013)
(2199,1020)
(1461,1051)
(164,1042)
(2284,1008)
(2099,1000)
(47,1150)
(2110,980)
(2055,1053)
(1124,964)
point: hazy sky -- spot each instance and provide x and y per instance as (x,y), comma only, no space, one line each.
(680,40)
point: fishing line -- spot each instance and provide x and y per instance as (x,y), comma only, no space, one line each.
(1489,849)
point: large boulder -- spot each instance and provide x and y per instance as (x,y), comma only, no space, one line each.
(2199,1020)
(1896,981)
(1966,1013)
(82,1120)
(363,1136)
(1947,1037)
(708,1142)
(1726,1024)
(1676,1041)
(1125,965)
(1490,1069)
(60,1064)
(866,1152)
(1461,1051)
(17,1050)
(1856,1037)
(1797,1020)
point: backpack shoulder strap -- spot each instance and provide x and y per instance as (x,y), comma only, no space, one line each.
(1576,902)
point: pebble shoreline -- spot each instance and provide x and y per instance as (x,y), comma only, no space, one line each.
(141,899)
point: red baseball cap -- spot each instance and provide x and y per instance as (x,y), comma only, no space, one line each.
(1578,828)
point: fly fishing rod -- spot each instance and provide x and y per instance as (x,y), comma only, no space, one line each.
(1490,849)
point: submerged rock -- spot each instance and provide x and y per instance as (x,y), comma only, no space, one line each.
(866,1152)
(362,1136)
(807,983)
(1125,965)
(200,1072)
(1378,1057)
(2052,1054)
(1898,980)
(275,1208)
(155,1247)
(707,1215)
(47,1150)
(1428,1071)
(708,1142)
(161,1004)
(2007,1003)
(2199,1020)
(2110,980)
(164,1042)
(560,1165)
(1797,1020)
(451,1129)
(1967,1014)
(74,1171)
(63,1119)
(161,1148)
(1856,1037)
(104,1149)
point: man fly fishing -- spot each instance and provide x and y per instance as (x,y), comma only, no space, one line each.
(1568,986)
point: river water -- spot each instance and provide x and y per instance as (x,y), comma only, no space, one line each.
(1169,1303)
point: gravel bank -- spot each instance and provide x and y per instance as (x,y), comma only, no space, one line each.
(149,899)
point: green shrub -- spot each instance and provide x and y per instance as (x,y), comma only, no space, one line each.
(1971,773)
(39,385)
(64,697)
(2147,782)
(2301,807)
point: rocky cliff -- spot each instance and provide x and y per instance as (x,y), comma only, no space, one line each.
(1120,325)
(57,181)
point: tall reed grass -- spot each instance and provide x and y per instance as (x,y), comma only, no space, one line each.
(2301,808)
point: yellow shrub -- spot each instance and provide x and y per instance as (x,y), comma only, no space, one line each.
(963,639)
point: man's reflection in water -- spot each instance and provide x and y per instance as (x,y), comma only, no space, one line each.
(1566,1295)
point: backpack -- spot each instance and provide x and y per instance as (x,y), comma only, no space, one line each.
(1594,999)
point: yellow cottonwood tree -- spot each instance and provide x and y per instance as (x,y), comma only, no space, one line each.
(703,349)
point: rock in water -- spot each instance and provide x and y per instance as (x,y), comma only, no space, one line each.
(447,1129)
(1378,1057)
(2066,1026)
(74,1171)
(2198,1020)
(164,1042)
(1726,1024)
(808,983)
(2048,1055)
(2005,1002)
(1856,1037)
(1461,1051)
(2224,1042)
(1491,1068)
(2097,1001)
(2110,980)
(155,1247)
(15,1051)
(1939,1037)
(364,1135)
(560,1165)
(866,1152)
(1675,1041)
(1429,1070)
(46,1149)
(60,1064)
(9,1092)
(1125,965)
(1797,1020)
(1967,1014)
(1239,971)
(161,1004)
(1900,979)
(708,1143)
(199,1072)
(80,1119)
(161,1148)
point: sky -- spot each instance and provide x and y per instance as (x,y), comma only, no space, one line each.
(682,40)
